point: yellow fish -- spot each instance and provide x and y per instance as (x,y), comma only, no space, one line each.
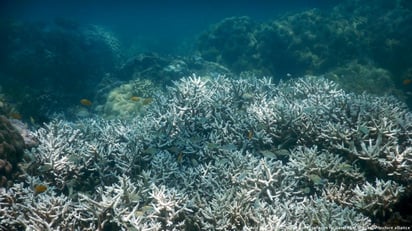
(86,102)
(40,188)
(135,98)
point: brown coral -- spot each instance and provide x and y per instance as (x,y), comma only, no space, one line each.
(11,149)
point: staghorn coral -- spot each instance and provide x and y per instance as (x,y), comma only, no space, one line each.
(222,154)
(377,198)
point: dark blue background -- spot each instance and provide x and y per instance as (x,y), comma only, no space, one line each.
(161,21)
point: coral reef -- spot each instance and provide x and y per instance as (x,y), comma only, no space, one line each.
(48,66)
(129,100)
(221,154)
(11,150)
(24,131)
(148,74)
(316,42)
(166,69)
(231,42)
(355,77)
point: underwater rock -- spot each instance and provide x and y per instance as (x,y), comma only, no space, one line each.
(11,149)
(230,42)
(314,41)
(44,63)
(143,65)
(166,69)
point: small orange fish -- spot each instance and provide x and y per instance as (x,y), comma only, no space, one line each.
(407,81)
(86,102)
(147,101)
(135,98)
(40,188)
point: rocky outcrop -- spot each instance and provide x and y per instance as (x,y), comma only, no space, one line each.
(11,149)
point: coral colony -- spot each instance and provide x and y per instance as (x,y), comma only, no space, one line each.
(221,154)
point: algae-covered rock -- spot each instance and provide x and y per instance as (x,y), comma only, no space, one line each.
(231,42)
(314,41)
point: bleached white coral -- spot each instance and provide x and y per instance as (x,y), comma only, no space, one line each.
(222,154)
(59,153)
(378,197)
(24,207)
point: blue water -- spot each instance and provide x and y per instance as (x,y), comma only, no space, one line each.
(156,22)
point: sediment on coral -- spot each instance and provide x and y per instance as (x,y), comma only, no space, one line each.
(221,154)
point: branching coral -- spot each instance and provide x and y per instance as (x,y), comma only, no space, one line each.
(222,154)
